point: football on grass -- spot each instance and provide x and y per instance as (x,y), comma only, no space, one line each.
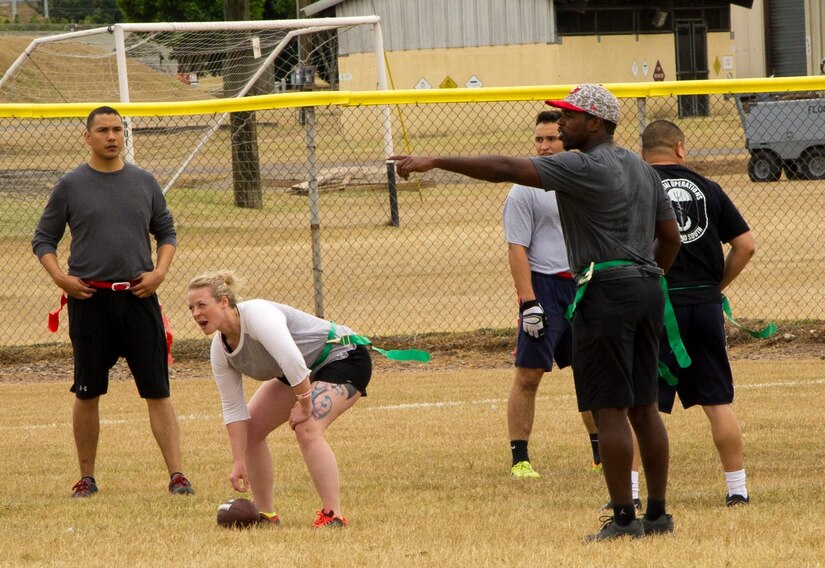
(238,513)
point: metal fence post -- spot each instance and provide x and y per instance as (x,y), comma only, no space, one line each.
(314,212)
(392,185)
(641,113)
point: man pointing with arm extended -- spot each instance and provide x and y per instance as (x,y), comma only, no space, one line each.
(621,234)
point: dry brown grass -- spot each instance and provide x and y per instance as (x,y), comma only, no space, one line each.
(53,76)
(424,464)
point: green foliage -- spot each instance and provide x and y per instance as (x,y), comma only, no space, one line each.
(172,11)
(201,10)
(278,9)
(87,11)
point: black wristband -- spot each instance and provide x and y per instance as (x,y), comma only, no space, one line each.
(530,304)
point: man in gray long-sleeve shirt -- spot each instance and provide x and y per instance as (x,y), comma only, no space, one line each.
(112,209)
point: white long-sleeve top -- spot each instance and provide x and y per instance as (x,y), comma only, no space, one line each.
(276,341)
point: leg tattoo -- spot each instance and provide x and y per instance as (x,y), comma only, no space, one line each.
(322,401)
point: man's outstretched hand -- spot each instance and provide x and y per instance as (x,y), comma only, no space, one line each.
(405,165)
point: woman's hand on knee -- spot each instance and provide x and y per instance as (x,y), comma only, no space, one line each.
(298,415)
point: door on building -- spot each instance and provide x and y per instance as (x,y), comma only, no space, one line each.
(692,63)
(787,56)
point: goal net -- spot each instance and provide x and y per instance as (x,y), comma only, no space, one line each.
(193,61)
(186,62)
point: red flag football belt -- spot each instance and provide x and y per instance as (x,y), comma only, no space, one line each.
(54,316)
(114,286)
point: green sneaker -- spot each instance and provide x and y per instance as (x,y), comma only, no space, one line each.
(523,469)
(596,468)
(662,525)
(272,520)
(612,531)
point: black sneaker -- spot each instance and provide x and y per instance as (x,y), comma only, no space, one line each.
(86,487)
(735,500)
(662,525)
(611,530)
(637,503)
(179,485)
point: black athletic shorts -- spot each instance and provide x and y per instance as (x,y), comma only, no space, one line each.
(110,325)
(355,370)
(708,380)
(616,332)
(554,293)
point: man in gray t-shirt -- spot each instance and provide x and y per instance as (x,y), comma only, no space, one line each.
(621,233)
(112,210)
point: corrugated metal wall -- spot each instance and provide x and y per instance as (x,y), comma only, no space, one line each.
(787,38)
(424,24)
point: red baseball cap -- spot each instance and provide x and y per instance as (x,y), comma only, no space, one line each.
(592,99)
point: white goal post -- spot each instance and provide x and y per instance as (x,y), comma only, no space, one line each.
(175,62)
(164,58)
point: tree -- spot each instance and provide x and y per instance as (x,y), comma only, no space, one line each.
(246,174)
(200,10)
(88,11)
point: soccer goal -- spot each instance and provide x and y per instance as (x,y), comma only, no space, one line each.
(192,61)
(187,61)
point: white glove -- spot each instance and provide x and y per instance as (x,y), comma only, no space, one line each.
(532,319)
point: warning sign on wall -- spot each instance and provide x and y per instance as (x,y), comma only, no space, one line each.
(473,83)
(448,83)
(658,72)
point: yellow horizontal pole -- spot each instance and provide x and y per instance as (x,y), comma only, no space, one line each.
(412,96)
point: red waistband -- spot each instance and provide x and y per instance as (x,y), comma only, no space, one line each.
(567,275)
(115,286)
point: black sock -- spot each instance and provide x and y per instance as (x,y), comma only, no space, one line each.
(655,509)
(623,515)
(519,449)
(594,445)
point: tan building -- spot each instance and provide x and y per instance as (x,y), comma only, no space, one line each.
(438,43)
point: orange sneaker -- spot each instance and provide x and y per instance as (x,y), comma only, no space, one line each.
(329,519)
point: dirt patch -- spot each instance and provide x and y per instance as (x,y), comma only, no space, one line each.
(482,349)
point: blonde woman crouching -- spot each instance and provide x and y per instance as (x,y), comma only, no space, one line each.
(308,380)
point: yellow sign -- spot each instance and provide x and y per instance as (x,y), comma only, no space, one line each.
(448,83)
(717,65)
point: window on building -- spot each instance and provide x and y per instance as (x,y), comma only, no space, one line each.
(635,19)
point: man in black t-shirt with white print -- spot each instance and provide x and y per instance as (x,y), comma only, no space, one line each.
(707,218)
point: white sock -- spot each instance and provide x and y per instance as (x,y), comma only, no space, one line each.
(634,483)
(736,483)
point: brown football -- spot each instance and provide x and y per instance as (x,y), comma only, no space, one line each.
(238,513)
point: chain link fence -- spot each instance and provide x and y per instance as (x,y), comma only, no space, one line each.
(425,255)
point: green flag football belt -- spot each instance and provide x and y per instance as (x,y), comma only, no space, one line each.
(392,354)
(763,333)
(671,326)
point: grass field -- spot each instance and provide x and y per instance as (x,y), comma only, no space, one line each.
(424,462)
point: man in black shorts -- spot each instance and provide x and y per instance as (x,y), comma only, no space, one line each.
(112,209)
(621,234)
(700,273)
